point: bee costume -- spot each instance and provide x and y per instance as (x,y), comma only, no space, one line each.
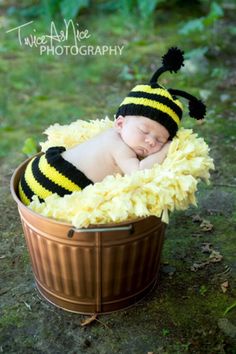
(50,173)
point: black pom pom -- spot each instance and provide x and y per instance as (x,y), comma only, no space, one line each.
(197,109)
(173,59)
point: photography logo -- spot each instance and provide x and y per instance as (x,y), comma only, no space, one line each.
(70,40)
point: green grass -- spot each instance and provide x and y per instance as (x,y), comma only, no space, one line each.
(40,90)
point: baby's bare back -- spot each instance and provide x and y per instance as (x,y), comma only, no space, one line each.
(95,157)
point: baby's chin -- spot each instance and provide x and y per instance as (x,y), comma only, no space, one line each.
(142,155)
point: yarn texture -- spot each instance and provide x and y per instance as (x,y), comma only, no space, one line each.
(156,191)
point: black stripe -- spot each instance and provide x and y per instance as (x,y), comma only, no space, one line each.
(54,158)
(45,181)
(25,187)
(158,98)
(149,112)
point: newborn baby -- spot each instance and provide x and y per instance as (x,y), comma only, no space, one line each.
(119,149)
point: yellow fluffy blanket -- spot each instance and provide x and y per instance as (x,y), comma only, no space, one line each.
(154,191)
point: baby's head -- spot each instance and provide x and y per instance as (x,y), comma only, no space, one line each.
(142,134)
(158,105)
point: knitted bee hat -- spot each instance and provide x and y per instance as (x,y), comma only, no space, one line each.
(158,103)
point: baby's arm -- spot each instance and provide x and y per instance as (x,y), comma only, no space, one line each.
(129,163)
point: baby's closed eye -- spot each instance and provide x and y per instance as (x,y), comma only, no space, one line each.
(144,131)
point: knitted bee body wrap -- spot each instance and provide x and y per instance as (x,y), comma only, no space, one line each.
(48,174)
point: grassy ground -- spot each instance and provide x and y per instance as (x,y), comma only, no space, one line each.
(189,312)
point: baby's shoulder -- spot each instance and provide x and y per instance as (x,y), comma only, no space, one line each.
(116,138)
(117,146)
(112,137)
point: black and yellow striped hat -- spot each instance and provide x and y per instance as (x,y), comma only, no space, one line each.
(158,103)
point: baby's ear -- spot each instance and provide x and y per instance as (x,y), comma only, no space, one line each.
(119,122)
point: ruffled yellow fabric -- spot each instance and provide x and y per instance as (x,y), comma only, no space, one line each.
(156,191)
(75,133)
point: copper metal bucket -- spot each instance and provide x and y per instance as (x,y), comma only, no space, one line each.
(100,269)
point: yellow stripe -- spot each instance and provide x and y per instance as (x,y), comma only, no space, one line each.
(148,89)
(22,195)
(153,104)
(57,177)
(157,91)
(34,185)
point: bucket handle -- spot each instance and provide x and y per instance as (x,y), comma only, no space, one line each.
(129,228)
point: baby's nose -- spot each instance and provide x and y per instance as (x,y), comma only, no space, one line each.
(151,141)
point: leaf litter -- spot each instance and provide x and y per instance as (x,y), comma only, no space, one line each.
(205,225)
(214,257)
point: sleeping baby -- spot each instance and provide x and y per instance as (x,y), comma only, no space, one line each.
(146,121)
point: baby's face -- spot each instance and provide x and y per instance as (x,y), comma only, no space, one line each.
(142,134)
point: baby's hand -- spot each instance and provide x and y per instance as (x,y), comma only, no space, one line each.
(157,157)
(166,147)
(163,152)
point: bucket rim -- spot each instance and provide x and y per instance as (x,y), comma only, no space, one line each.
(63,223)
